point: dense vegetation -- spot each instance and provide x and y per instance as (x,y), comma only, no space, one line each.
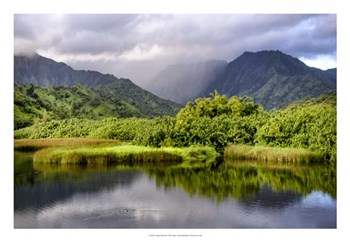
(272,155)
(215,121)
(48,103)
(131,155)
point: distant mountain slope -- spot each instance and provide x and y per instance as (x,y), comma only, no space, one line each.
(183,82)
(123,97)
(31,101)
(273,79)
(332,74)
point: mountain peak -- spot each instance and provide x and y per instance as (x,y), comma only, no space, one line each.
(264,53)
(275,60)
(272,78)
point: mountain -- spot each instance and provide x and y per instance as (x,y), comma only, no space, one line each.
(53,83)
(183,82)
(31,102)
(273,79)
(332,74)
(43,71)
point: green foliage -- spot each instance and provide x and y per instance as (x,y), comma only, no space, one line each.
(312,127)
(217,105)
(57,103)
(214,121)
(274,155)
(155,132)
(108,154)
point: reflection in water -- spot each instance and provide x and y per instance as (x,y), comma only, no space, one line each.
(61,187)
(120,197)
(243,182)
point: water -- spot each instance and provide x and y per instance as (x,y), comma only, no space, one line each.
(123,197)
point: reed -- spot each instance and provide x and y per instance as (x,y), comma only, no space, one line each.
(234,153)
(127,155)
(37,144)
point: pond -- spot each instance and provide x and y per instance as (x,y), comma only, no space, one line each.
(242,196)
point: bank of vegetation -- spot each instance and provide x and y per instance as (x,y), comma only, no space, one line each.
(131,155)
(217,121)
(263,154)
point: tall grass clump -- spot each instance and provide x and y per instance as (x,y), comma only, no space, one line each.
(273,154)
(127,155)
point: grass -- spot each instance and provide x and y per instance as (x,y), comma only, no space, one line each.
(235,153)
(127,155)
(37,144)
(111,152)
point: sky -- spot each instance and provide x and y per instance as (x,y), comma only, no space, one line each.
(138,46)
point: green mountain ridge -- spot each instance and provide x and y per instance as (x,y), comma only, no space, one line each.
(34,102)
(44,85)
(273,79)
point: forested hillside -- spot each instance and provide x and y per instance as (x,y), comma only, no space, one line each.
(32,102)
(216,121)
(44,87)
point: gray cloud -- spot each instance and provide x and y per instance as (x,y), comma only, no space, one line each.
(138,46)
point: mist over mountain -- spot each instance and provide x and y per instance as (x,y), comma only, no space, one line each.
(272,78)
(183,82)
(43,71)
(102,95)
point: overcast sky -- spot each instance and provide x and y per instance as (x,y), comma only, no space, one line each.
(139,46)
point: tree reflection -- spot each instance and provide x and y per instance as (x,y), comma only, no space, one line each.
(244,182)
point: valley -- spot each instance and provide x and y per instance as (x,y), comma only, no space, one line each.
(260,127)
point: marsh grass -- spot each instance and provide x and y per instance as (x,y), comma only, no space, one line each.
(237,153)
(127,155)
(37,144)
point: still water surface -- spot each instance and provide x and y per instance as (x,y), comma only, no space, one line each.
(236,197)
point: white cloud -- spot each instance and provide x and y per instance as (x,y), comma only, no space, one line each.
(323,62)
(78,57)
(142,52)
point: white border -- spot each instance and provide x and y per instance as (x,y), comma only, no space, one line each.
(8,8)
